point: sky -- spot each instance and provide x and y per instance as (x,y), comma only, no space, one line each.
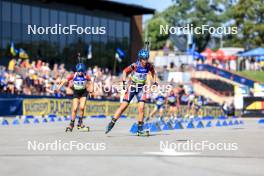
(158,5)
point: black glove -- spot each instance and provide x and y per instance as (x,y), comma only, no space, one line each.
(124,85)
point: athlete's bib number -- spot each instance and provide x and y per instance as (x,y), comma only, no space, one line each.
(140,77)
(79,85)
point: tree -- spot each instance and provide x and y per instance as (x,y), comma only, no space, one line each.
(152,30)
(196,12)
(249,18)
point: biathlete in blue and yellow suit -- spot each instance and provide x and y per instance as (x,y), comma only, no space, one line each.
(160,106)
(82,85)
(135,87)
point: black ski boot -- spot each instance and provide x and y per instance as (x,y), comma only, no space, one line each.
(110,125)
(70,127)
(81,126)
(141,131)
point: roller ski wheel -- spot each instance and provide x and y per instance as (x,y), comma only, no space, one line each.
(143,133)
(68,129)
(83,128)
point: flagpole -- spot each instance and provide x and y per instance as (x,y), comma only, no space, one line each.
(115,67)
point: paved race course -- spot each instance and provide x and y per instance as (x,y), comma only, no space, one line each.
(126,154)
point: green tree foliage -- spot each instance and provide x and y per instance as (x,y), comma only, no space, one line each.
(196,12)
(249,18)
(152,30)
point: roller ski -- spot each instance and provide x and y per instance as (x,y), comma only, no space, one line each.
(82,127)
(143,133)
(70,127)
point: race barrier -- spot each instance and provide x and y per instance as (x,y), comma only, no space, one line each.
(156,126)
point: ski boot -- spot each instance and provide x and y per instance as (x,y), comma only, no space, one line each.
(110,125)
(81,126)
(141,131)
(70,127)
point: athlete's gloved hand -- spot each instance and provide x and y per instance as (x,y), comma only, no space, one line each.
(124,85)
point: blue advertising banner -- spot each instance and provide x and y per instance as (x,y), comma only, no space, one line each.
(11,107)
(226,74)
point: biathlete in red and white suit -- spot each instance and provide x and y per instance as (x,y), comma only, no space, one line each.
(138,71)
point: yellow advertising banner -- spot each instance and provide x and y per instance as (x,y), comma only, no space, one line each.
(62,107)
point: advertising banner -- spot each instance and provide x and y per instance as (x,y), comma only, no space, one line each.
(253,107)
(62,107)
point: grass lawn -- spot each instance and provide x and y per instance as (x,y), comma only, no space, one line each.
(255,75)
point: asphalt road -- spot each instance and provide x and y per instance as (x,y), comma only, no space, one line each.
(121,153)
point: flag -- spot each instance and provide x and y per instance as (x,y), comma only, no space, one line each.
(23,54)
(89,52)
(194,53)
(119,55)
(13,51)
(118,58)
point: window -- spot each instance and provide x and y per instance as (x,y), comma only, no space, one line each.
(79,20)
(80,23)
(53,21)
(5,43)
(87,23)
(6,11)
(25,14)
(35,16)
(35,21)
(71,18)
(16,22)
(16,13)
(104,24)
(119,29)
(96,24)
(6,26)
(6,22)
(26,20)
(71,21)
(126,29)
(45,17)
(16,32)
(63,21)
(111,29)
(1,26)
(45,23)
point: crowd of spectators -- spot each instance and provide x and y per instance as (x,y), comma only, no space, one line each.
(24,77)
